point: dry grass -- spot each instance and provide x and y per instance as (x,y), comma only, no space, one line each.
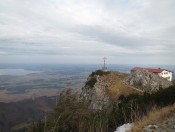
(155,115)
(116,86)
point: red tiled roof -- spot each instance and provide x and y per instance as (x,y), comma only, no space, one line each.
(149,69)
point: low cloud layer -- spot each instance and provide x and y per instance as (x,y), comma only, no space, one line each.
(76,31)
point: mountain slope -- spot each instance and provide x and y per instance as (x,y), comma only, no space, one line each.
(107,87)
(24,112)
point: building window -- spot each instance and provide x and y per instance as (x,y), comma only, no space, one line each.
(166,73)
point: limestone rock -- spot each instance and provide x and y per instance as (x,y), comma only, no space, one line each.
(96,94)
(150,128)
(150,82)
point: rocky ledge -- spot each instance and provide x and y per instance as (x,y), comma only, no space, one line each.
(168,125)
(147,81)
(95,91)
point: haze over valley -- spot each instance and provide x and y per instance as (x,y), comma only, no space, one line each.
(62,60)
(30,81)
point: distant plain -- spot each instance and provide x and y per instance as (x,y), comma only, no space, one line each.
(25,81)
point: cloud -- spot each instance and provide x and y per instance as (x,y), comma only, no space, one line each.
(129,29)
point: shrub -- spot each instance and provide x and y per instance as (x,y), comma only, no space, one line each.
(72,114)
(91,82)
(99,72)
(135,106)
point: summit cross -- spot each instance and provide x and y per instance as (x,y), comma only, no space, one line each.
(104,67)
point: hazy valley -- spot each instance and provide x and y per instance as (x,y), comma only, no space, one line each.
(26,97)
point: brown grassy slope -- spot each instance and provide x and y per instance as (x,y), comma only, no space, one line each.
(116,86)
(155,115)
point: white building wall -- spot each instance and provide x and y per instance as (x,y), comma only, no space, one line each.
(166,74)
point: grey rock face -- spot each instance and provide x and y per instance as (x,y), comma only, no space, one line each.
(96,94)
(150,82)
(150,128)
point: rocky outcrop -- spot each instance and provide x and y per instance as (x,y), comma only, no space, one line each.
(104,88)
(167,125)
(148,81)
(95,91)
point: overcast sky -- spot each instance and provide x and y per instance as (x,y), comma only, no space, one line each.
(84,31)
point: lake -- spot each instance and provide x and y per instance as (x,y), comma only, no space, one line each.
(17,72)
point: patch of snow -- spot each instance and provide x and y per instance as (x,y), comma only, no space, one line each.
(125,127)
